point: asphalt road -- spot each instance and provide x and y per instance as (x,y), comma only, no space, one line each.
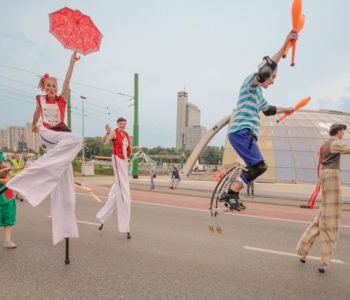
(171,256)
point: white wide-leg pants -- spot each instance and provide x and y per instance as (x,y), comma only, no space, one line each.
(53,174)
(119,196)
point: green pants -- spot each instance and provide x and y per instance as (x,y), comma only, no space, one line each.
(8,213)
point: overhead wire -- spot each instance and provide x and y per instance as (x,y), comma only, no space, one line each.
(97,115)
(72,91)
(74,82)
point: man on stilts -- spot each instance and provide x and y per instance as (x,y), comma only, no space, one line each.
(326,223)
(119,198)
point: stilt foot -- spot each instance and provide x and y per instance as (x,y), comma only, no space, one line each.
(211,229)
(219,230)
(67,260)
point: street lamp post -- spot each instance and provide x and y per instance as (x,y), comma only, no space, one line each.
(83,134)
(135,166)
(182,159)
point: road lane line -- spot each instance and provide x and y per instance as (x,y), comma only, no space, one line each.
(230,214)
(84,222)
(207,211)
(287,254)
(285,220)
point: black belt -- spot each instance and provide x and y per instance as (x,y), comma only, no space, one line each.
(252,136)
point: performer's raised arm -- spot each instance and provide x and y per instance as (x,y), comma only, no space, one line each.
(109,134)
(293,35)
(65,88)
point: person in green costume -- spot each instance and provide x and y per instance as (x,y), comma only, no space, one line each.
(17,164)
(7,205)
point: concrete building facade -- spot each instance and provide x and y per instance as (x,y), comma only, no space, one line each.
(193,135)
(187,122)
(181,116)
(17,138)
(33,142)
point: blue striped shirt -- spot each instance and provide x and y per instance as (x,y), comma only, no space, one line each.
(249,104)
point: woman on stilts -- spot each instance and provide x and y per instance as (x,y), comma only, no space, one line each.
(326,223)
(52,174)
(119,196)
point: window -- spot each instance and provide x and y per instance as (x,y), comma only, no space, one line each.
(265,131)
(280,143)
(295,131)
(311,132)
(345,163)
(289,122)
(305,123)
(300,144)
(279,131)
(315,144)
(305,159)
(285,174)
(284,159)
(345,175)
(309,175)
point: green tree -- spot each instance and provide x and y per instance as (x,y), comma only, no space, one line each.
(96,147)
(212,155)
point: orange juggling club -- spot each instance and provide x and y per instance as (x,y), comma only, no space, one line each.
(299,28)
(296,13)
(299,105)
(298,23)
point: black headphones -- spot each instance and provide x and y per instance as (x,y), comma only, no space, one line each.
(265,69)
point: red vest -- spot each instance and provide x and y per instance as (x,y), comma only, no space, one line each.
(59,103)
(118,144)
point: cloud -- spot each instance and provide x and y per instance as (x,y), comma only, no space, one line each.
(334,95)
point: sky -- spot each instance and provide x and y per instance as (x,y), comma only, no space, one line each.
(205,47)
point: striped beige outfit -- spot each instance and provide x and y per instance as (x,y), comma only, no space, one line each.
(327,221)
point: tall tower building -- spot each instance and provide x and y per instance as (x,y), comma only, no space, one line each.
(181,121)
(193,115)
(193,135)
(188,122)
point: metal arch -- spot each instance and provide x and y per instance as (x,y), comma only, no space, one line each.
(186,170)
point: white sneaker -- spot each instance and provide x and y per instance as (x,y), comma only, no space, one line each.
(10,245)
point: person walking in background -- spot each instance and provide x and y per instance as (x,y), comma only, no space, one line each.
(326,222)
(250,189)
(17,164)
(119,195)
(175,177)
(152,176)
(7,205)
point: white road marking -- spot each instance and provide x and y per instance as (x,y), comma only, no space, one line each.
(207,211)
(89,223)
(280,219)
(84,222)
(288,254)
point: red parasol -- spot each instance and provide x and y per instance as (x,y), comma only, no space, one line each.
(75,30)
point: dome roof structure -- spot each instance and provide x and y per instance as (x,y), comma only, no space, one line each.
(290,148)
